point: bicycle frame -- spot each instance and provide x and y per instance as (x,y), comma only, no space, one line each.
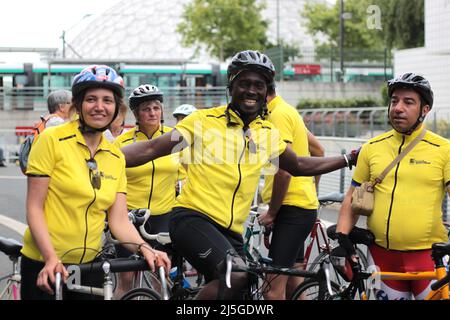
(439,289)
(318,234)
(442,292)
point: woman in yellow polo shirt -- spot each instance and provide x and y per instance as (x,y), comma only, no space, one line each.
(151,185)
(74,176)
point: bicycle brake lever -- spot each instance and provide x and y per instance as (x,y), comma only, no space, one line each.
(162,277)
(326,267)
(58,287)
(228,271)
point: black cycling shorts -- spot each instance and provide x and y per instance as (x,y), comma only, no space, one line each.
(201,241)
(155,224)
(292,226)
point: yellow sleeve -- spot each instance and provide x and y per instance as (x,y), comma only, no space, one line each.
(42,158)
(122,186)
(285,125)
(447,168)
(362,170)
(186,126)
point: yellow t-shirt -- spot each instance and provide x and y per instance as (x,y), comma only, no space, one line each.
(74,210)
(407,212)
(302,190)
(151,185)
(226,163)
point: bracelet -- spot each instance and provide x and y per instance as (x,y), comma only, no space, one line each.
(142,244)
(346,160)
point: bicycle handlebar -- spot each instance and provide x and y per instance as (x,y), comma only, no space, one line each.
(139,218)
(322,274)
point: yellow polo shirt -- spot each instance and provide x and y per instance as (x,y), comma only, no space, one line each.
(407,211)
(74,210)
(151,185)
(302,190)
(226,163)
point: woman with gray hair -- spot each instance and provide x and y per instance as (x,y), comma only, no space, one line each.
(59,105)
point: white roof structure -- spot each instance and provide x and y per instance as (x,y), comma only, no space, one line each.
(146,29)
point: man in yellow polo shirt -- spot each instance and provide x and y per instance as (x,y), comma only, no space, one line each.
(292,200)
(407,215)
(229,147)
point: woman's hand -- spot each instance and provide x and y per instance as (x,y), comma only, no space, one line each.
(155,258)
(48,272)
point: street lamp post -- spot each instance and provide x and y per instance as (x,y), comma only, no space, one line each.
(63,36)
(341,38)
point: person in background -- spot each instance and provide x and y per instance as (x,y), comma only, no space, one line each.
(179,114)
(292,200)
(152,185)
(183,111)
(59,104)
(117,127)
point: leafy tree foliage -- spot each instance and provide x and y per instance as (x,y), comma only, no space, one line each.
(223,27)
(400,24)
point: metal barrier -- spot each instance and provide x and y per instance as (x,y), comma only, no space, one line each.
(365,122)
(35,98)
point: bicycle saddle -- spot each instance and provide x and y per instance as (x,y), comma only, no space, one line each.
(10,247)
(331,197)
(357,235)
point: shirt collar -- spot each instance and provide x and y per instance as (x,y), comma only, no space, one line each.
(409,137)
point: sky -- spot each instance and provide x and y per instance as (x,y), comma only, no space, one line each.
(39,23)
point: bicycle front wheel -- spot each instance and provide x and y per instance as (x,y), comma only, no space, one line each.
(334,275)
(141,294)
(309,290)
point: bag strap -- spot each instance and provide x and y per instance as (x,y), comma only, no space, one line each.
(400,157)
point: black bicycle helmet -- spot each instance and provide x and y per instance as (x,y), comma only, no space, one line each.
(251,60)
(143,93)
(415,82)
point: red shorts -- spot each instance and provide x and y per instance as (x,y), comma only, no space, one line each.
(403,261)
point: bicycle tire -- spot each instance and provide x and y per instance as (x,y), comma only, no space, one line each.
(141,294)
(334,275)
(308,290)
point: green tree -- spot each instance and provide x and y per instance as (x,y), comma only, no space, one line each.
(401,22)
(405,24)
(223,27)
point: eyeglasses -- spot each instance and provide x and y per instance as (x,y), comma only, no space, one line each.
(96,180)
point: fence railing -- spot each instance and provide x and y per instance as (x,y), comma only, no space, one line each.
(35,98)
(365,122)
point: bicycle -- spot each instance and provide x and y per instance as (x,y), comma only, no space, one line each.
(308,289)
(11,248)
(177,286)
(439,289)
(320,236)
(107,267)
(257,270)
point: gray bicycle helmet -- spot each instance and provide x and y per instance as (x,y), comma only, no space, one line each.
(251,60)
(415,82)
(143,93)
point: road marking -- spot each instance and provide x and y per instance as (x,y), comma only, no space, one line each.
(15,225)
(13,177)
